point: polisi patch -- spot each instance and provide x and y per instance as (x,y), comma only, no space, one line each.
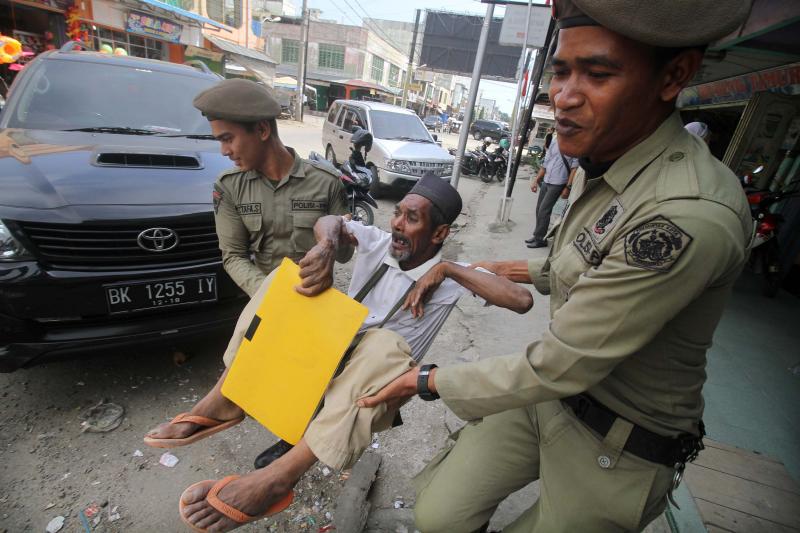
(217,197)
(587,247)
(656,245)
(248,209)
(607,221)
(309,205)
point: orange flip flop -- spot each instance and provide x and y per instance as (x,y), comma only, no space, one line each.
(211,426)
(234,514)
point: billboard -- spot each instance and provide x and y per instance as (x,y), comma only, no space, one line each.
(450,44)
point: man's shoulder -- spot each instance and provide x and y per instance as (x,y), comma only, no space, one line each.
(323,170)
(231,174)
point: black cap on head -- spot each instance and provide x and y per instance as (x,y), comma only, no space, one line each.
(440,193)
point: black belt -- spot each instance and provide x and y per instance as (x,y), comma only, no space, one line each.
(641,442)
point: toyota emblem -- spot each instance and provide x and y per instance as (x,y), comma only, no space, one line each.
(157,239)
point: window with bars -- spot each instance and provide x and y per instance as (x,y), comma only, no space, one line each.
(228,12)
(394,75)
(133,44)
(331,56)
(376,72)
(290,51)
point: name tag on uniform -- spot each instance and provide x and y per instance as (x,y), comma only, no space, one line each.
(248,209)
(309,205)
(587,248)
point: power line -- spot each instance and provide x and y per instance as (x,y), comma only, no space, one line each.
(372,27)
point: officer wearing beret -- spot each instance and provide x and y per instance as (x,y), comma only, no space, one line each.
(266,207)
(605,409)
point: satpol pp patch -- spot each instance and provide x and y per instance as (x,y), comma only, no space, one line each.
(607,221)
(656,245)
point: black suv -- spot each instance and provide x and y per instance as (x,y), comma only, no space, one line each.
(107,233)
(488,128)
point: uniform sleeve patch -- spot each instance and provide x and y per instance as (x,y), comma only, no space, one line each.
(656,245)
(607,221)
(217,197)
(309,205)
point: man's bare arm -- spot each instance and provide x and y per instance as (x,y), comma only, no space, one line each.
(316,267)
(516,271)
(496,290)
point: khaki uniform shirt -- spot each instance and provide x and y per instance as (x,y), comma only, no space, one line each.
(638,276)
(268,221)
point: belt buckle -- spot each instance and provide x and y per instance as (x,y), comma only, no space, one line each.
(676,481)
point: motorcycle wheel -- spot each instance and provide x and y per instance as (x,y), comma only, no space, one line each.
(484,175)
(363,213)
(501,175)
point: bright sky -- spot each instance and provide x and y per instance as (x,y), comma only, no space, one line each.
(352,11)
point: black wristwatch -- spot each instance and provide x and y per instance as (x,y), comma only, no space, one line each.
(422,383)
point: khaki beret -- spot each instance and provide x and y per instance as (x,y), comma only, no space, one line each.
(237,100)
(663,23)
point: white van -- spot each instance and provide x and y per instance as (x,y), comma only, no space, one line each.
(402,149)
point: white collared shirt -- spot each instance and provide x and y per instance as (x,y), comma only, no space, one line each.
(372,250)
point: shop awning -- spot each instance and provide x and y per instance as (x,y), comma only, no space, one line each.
(256,62)
(185,13)
(364,85)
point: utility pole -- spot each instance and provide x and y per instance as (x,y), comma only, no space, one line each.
(301,64)
(411,53)
(473,93)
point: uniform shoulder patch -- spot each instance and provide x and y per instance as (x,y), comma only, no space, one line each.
(325,166)
(217,197)
(656,244)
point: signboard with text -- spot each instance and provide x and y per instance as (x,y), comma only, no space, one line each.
(512,32)
(152,26)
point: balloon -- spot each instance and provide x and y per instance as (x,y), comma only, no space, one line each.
(10,49)
(120,52)
(106,49)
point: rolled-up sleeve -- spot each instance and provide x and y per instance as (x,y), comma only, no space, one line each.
(539,271)
(612,312)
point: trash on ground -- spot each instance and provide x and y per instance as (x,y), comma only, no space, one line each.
(55,524)
(138,453)
(113,514)
(49,506)
(85,522)
(399,504)
(329,527)
(375,444)
(92,510)
(326,471)
(169,460)
(103,417)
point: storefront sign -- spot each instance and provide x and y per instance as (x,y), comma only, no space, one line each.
(212,59)
(152,26)
(783,80)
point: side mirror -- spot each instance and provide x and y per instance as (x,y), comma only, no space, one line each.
(758,169)
(435,137)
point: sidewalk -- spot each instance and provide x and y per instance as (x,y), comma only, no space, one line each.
(751,394)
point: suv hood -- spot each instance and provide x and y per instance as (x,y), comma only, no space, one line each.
(42,169)
(413,151)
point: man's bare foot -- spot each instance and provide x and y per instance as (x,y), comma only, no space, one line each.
(252,494)
(213,405)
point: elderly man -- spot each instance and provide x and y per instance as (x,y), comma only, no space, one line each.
(409,290)
(605,409)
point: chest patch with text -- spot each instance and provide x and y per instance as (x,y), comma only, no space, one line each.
(248,209)
(656,245)
(309,205)
(587,248)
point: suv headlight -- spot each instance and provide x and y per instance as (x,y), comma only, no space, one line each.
(398,165)
(10,248)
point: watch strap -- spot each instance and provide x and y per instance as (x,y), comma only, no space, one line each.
(423,390)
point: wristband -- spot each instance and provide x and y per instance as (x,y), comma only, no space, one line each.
(422,383)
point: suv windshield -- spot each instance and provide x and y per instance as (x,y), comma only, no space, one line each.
(400,126)
(70,95)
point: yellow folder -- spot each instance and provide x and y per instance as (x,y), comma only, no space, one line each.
(290,353)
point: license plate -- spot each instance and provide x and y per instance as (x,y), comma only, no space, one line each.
(156,294)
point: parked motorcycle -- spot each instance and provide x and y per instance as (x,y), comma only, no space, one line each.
(469,163)
(495,163)
(765,255)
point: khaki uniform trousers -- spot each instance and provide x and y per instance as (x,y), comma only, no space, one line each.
(341,430)
(587,484)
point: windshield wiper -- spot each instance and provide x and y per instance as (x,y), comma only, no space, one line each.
(115,129)
(207,136)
